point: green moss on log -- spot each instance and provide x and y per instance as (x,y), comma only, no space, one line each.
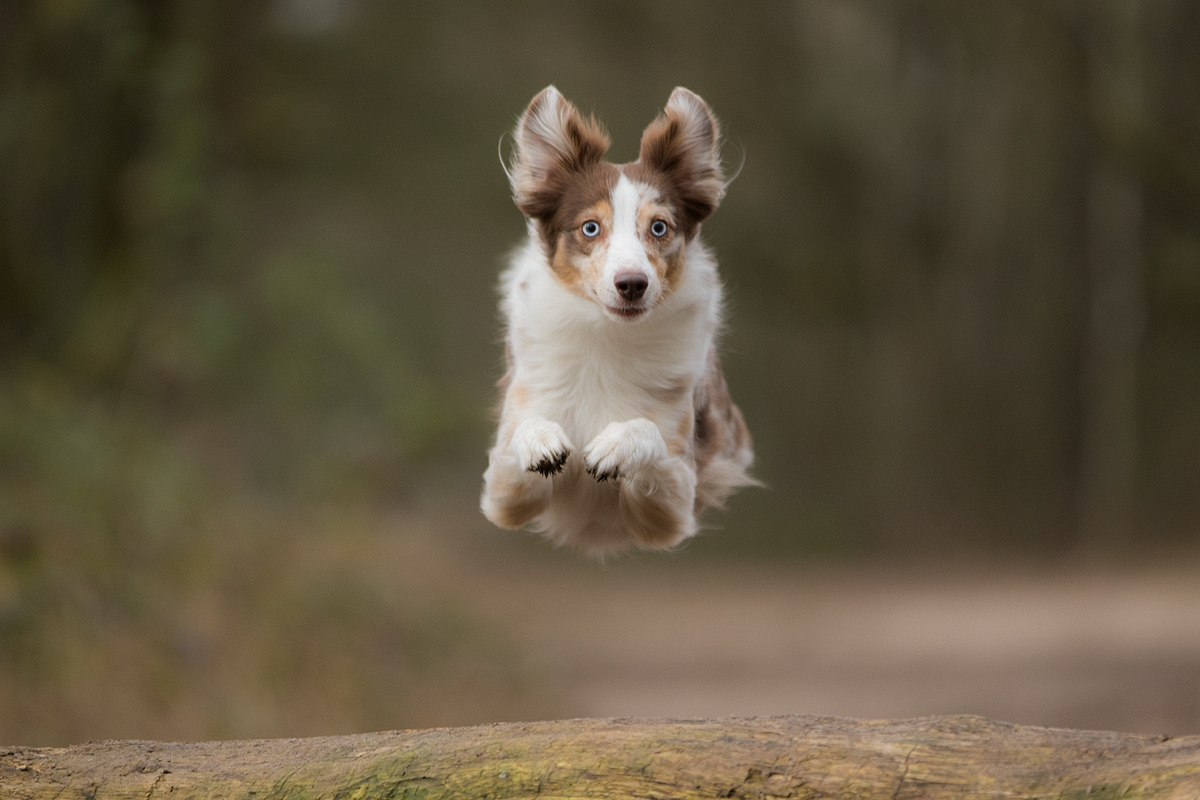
(804,758)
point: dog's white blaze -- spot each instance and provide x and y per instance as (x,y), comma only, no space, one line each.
(626,251)
(626,198)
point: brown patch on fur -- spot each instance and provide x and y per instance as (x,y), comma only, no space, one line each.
(584,141)
(601,211)
(675,263)
(519,509)
(564,263)
(574,194)
(666,254)
(652,521)
(647,213)
(556,177)
(680,157)
(680,444)
(569,258)
(687,425)
(720,438)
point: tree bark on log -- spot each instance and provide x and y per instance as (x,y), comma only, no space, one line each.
(797,757)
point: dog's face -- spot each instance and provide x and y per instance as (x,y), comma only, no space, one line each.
(617,234)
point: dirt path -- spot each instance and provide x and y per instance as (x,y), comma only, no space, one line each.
(674,639)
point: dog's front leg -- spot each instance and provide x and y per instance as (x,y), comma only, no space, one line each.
(517,484)
(657,489)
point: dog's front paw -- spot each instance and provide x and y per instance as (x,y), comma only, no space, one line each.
(624,448)
(541,446)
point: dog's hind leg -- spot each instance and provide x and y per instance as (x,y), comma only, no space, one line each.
(657,489)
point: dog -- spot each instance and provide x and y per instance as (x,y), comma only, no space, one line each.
(616,426)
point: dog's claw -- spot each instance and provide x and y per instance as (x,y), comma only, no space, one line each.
(603,477)
(550,466)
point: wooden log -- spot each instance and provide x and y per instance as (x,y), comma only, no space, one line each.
(797,757)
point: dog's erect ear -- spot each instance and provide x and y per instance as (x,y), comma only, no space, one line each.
(683,144)
(552,141)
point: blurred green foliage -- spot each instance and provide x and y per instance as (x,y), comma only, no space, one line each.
(247,259)
(159,598)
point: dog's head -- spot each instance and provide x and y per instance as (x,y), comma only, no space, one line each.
(617,234)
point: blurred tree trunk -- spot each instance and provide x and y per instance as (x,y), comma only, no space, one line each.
(109,118)
(1116,276)
(798,757)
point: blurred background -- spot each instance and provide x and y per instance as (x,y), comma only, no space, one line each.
(248,349)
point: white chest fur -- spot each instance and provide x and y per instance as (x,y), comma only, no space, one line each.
(584,370)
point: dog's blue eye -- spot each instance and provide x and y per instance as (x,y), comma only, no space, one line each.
(591,229)
(658,228)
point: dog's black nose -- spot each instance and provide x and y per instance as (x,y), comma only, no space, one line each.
(631,285)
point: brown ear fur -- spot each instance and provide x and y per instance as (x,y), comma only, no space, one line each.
(554,143)
(681,148)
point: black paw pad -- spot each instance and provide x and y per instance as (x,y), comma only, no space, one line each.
(550,466)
